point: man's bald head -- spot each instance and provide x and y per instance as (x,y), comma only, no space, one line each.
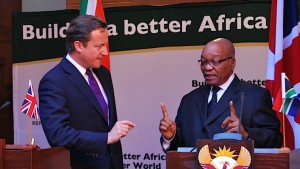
(225,44)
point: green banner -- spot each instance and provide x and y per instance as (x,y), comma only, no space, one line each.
(187,24)
(40,35)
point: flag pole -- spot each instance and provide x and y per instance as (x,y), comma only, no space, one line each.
(283,149)
(29,124)
(283,108)
(29,130)
(283,129)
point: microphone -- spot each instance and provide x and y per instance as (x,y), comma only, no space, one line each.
(241,111)
(237,135)
(4,105)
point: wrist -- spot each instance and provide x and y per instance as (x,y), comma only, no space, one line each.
(247,137)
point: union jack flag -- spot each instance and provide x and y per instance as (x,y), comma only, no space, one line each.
(30,106)
(284,56)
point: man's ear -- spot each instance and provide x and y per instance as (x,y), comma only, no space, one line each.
(78,46)
(233,62)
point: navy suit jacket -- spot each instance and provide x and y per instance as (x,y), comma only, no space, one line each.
(258,118)
(72,117)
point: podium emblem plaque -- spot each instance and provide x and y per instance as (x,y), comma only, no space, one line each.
(225,154)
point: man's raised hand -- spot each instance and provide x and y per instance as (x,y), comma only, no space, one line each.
(231,123)
(167,127)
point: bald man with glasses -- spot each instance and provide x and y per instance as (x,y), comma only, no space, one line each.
(211,109)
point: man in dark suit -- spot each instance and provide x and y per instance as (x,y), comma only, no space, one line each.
(195,121)
(71,114)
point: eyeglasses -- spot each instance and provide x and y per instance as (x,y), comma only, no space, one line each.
(204,62)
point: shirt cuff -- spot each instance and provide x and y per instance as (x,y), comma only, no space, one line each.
(166,143)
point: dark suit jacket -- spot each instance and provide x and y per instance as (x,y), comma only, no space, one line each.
(72,117)
(258,118)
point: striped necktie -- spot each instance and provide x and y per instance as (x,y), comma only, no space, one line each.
(213,101)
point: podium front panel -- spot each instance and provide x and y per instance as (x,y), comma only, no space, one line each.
(56,157)
(188,160)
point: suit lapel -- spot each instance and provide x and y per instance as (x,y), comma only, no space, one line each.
(83,87)
(201,102)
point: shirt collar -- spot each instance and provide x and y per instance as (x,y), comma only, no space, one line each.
(81,69)
(225,85)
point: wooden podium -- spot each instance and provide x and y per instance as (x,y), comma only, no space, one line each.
(28,157)
(189,160)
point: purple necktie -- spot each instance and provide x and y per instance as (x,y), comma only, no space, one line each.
(95,87)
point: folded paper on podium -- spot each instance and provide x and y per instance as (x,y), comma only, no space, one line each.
(31,156)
